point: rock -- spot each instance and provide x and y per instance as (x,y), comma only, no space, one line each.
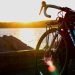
(11,43)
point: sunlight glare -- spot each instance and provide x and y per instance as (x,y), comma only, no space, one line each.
(25,34)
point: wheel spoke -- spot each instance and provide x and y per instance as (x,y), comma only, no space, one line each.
(52,50)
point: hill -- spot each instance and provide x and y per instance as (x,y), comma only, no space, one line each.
(10,43)
(38,24)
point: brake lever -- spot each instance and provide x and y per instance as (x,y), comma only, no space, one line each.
(40,10)
(43,5)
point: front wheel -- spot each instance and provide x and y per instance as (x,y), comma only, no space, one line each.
(55,49)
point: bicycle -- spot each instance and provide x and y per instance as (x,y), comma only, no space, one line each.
(60,48)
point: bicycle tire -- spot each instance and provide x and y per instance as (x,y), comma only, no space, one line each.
(38,46)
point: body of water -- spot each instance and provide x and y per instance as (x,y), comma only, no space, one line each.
(30,36)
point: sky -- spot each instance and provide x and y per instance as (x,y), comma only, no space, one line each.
(28,10)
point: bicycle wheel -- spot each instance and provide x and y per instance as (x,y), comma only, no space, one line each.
(57,48)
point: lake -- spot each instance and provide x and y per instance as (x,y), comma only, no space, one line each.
(30,36)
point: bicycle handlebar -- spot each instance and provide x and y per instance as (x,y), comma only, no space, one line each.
(45,6)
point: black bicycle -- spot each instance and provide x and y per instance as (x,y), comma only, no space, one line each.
(59,46)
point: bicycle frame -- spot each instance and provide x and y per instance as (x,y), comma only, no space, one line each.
(66,28)
(67,22)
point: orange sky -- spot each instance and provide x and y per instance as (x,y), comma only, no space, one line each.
(37,24)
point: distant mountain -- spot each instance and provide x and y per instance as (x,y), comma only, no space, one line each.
(38,24)
(10,43)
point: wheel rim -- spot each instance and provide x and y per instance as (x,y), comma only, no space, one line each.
(38,47)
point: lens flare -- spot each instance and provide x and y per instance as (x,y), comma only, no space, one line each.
(51,67)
